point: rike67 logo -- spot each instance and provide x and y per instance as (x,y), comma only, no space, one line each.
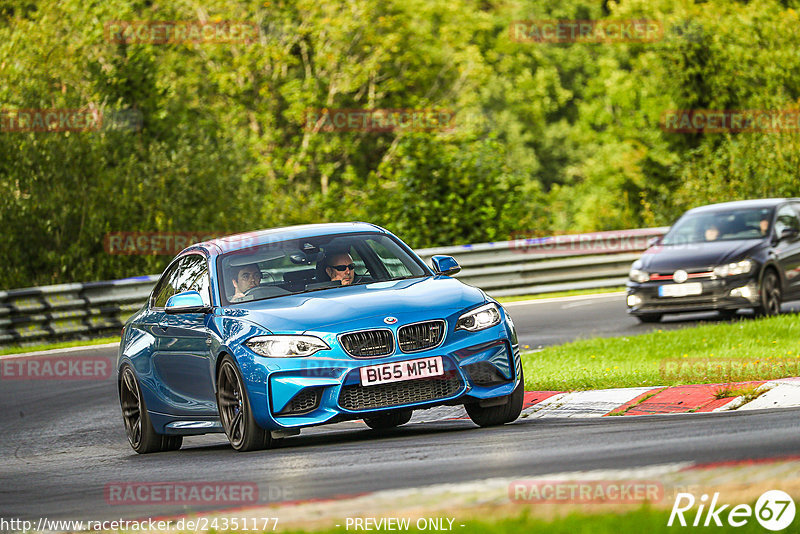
(774,510)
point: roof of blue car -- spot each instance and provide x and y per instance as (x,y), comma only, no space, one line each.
(262,237)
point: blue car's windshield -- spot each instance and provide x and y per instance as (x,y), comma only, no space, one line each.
(313,264)
(729,225)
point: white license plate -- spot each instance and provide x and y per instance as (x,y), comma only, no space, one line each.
(397,371)
(680,290)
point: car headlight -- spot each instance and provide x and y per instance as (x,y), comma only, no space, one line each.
(286,346)
(639,276)
(732,269)
(479,318)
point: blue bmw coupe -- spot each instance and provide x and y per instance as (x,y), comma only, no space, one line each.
(259,335)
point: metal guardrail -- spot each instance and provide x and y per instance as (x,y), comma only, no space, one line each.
(53,312)
(528,266)
(519,267)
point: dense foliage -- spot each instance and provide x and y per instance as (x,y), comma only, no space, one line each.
(547,137)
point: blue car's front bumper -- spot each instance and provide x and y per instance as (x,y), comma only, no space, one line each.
(297,392)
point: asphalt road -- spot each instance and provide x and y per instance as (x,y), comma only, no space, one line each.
(557,321)
(62,442)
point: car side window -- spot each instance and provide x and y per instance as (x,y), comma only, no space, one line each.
(786,218)
(395,267)
(188,273)
(166,286)
(193,276)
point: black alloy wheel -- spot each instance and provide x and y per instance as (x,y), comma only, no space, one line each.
(770,295)
(138,427)
(235,412)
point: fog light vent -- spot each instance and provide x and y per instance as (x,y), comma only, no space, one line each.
(634,300)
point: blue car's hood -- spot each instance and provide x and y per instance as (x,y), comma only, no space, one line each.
(321,309)
(701,255)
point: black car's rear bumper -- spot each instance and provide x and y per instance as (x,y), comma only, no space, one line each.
(717,294)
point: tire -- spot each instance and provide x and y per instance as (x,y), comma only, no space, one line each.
(769,296)
(388,420)
(235,411)
(650,317)
(138,427)
(172,443)
(499,415)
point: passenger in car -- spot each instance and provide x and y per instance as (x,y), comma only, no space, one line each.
(712,233)
(245,277)
(763,225)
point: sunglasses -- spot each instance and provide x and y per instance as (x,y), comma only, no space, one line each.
(342,268)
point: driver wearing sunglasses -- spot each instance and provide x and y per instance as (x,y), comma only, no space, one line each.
(341,267)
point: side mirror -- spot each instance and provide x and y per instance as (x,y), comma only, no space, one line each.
(446,265)
(788,233)
(653,241)
(186,302)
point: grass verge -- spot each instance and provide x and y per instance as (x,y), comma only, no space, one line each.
(749,349)
(570,293)
(747,393)
(15,349)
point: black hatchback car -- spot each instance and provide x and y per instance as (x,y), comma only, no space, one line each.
(723,257)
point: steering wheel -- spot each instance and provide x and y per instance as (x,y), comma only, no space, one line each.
(250,292)
(360,277)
